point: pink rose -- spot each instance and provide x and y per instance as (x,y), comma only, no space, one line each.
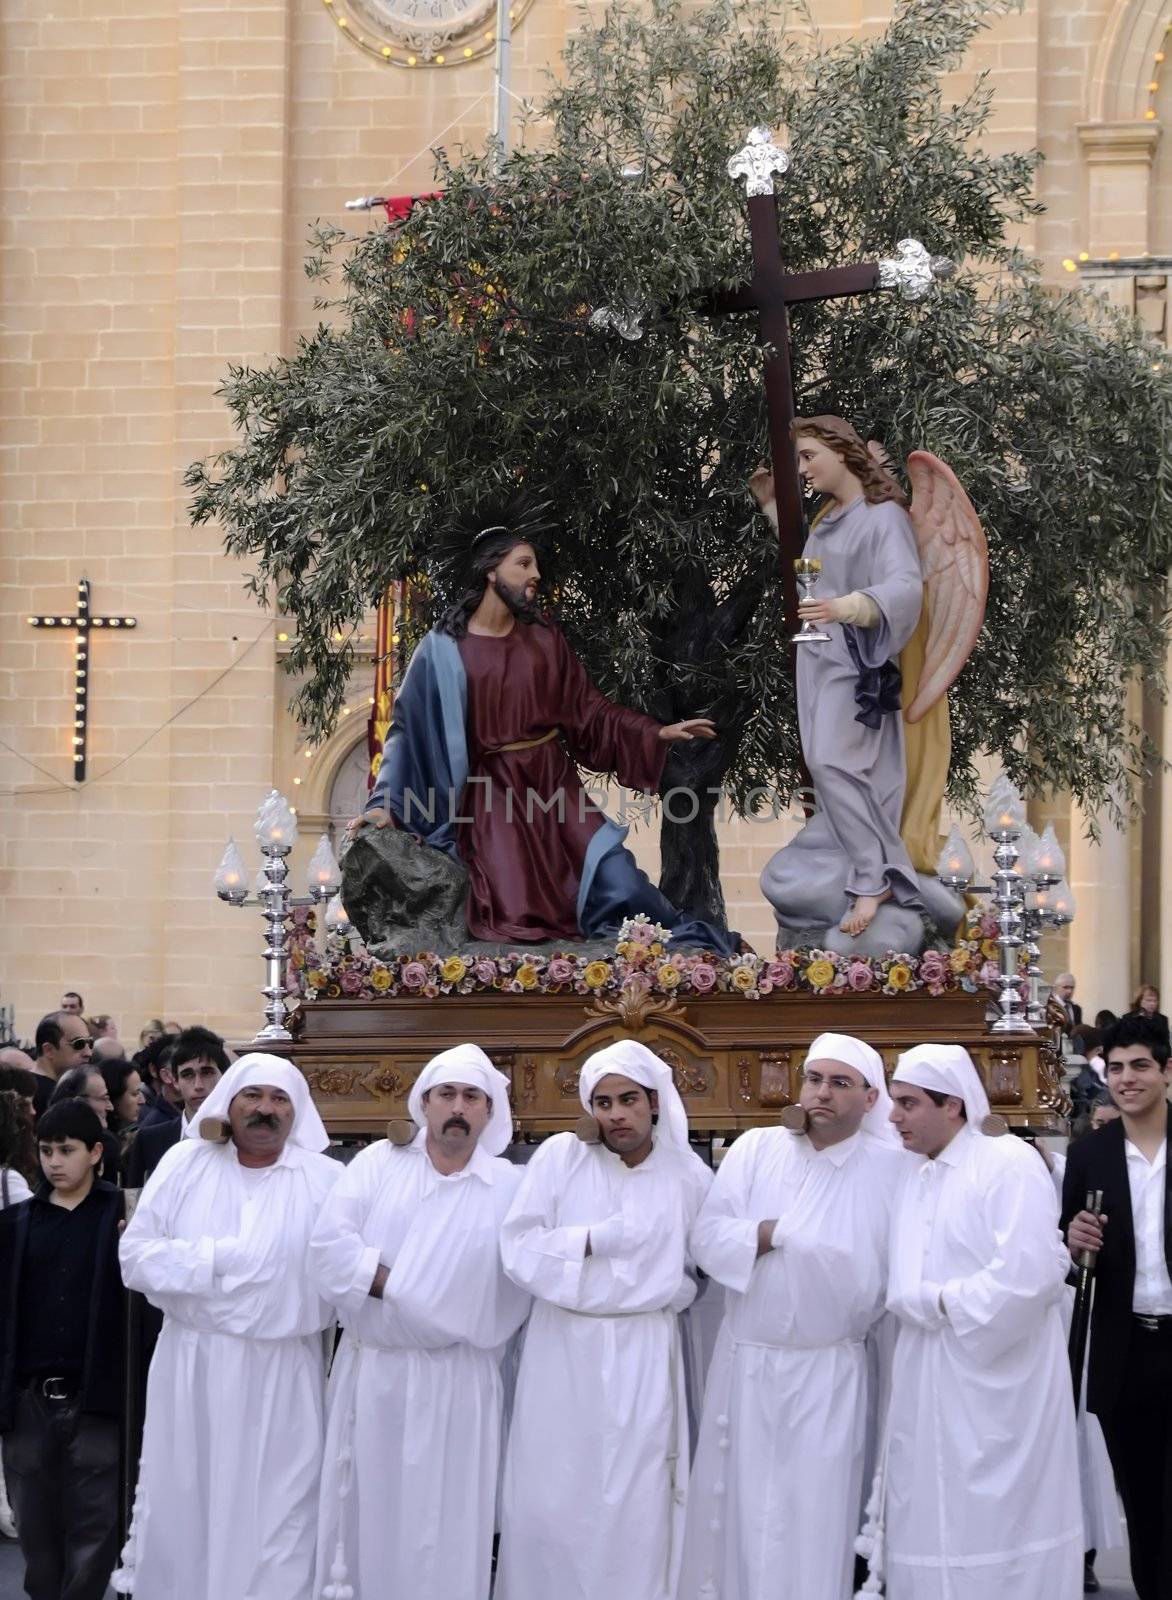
(933,967)
(702,977)
(641,982)
(560,970)
(781,973)
(414,975)
(859,976)
(990,975)
(485,972)
(989,926)
(351,982)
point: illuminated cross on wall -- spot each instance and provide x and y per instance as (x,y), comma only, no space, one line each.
(84,621)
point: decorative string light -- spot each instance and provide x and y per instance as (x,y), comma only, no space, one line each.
(84,621)
(1158,59)
(348,17)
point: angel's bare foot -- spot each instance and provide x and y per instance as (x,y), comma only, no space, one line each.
(862,913)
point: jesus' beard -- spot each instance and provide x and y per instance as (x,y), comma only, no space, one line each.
(518,602)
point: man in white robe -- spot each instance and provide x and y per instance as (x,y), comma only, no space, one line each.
(407,1249)
(597,1462)
(795,1227)
(226,1507)
(979,1491)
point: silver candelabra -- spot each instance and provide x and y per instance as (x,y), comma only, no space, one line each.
(276,833)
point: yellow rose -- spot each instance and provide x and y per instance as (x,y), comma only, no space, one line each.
(380,979)
(623,950)
(958,960)
(898,976)
(745,978)
(668,976)
(596,974)
(453,969)
(990,949)
(527,976)
(655,949)
(316,979)
(820,973)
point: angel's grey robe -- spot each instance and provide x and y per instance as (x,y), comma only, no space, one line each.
(851,845)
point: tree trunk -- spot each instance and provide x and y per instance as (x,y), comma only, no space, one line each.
(689,873)
(690,858)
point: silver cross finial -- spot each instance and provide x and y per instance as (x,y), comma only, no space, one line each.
(758,161)
(912,270)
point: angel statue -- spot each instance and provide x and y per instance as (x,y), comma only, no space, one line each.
(478,798)
(901,596)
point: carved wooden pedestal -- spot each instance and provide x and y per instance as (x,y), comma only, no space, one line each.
(736,1061)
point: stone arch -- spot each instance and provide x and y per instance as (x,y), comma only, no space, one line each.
(1122,64)
(313,795)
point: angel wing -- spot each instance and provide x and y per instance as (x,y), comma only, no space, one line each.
(955,560)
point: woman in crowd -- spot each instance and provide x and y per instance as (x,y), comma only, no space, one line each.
(124,1085)
(1147,1004)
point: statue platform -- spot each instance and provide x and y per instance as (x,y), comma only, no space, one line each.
(736,1061)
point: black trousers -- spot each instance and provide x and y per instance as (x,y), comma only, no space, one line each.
(1138,1432)
(61,1468)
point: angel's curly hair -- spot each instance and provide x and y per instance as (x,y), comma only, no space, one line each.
(837,435)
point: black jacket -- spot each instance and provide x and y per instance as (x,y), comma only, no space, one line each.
(101,1380)
(147,1149)
(1099,1161)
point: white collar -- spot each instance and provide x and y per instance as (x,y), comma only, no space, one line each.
(837,1154)
(480,1164)
(956,1149)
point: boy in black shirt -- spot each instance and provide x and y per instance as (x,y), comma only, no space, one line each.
(61,1362)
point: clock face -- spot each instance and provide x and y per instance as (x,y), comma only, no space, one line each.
(421,33)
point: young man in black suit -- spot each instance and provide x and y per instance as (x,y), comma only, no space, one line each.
(1129,1380)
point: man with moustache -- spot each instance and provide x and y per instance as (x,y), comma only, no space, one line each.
(407,1251)
(235,1397)
(596,1472)
(795,1227)
(977,1489)
(494,717)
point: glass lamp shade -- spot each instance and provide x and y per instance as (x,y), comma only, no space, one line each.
(1049,863)
(1061,903)
(1027,849)
(1004,809)
(325,875)
(955,864)
(336,919)
(275,824)
(231,879)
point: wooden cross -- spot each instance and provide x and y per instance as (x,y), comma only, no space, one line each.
(769,292)
(84,621)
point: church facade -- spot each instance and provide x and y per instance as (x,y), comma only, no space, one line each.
(161,167)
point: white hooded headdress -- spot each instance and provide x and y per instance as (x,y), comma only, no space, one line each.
(250,1071)
(855,1053)
(468,1064)
(946,1069)
(630,1059)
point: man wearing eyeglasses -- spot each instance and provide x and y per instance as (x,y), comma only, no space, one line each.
(62,1041)
(795,1227)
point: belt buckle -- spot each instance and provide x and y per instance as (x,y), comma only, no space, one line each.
(55,1389)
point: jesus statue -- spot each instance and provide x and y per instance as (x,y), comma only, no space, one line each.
(493,717)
